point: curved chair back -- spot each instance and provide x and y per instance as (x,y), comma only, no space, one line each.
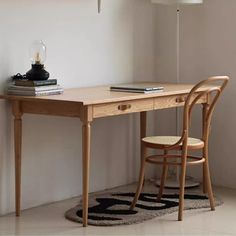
(209,89)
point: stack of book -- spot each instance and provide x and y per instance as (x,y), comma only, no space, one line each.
(34,87)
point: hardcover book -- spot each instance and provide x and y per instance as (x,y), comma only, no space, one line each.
(33,83)
(34,93)
(36,88)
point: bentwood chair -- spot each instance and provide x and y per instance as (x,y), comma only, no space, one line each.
(208,90)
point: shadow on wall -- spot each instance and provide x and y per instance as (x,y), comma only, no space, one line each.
(5,65)
(6,159)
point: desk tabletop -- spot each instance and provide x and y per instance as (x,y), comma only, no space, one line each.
(102,94)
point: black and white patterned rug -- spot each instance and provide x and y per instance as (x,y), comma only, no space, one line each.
(112,207)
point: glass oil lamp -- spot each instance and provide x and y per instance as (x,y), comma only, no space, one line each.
(37,57)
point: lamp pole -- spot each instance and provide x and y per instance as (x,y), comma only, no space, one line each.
(174,181)
(99,6)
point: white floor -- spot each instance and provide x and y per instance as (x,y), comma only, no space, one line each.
(49,220)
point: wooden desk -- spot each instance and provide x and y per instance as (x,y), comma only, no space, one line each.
(88,104)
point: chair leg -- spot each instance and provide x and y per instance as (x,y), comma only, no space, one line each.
(204,184)
(163,177)
(182,187)
(208,180)
(140,183)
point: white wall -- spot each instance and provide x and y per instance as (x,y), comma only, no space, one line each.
(84,49)
(207,48)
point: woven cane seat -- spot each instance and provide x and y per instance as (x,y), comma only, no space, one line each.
(165,141)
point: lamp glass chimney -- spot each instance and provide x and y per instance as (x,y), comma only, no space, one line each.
(38,52)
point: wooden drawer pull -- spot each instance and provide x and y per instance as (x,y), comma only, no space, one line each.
(124,107)
(180,99)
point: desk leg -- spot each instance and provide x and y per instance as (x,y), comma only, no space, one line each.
(17,143)
(86,162)
(143,124)
(143,131)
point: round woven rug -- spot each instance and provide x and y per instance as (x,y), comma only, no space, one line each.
(112,207)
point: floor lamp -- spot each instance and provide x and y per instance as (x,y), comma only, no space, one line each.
(99,5)
(174,182)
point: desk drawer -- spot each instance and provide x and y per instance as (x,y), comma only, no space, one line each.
(119,108)
(174,101)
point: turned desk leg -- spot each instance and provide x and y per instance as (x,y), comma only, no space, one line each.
(17,144)
(143,131)
(86,163)
(143,124)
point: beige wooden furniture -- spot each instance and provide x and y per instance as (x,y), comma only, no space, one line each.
(184,144)
(88,104)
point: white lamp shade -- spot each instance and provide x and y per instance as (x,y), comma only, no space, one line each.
(176,2)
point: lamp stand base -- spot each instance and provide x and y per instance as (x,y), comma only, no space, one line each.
(172,183)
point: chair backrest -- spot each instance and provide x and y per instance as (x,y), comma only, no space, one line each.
(210,89)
